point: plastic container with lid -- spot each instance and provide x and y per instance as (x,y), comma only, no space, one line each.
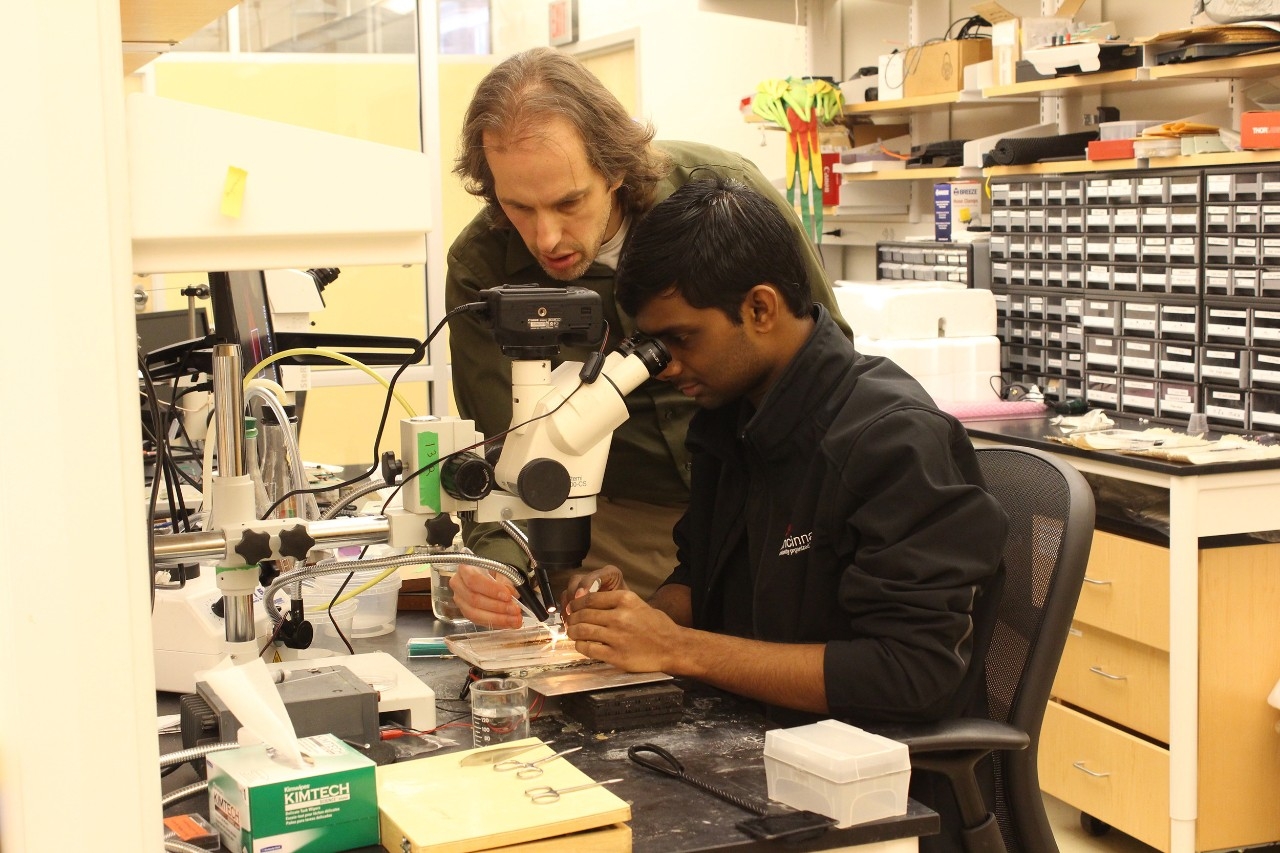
(325,634)
(837,770)
(377,613)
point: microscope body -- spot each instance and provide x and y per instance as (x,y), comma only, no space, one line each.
(549,472)
(552,460)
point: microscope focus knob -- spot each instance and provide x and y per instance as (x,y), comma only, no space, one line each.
(254,546)
(543,484)
(467,477)
(442,530)
(296,542)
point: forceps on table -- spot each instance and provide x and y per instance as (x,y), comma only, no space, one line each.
(545,794)
(529,769)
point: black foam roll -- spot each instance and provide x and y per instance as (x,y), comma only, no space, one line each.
(1020,151)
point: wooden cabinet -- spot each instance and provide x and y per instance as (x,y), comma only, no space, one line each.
(1105,744)
(1106,772)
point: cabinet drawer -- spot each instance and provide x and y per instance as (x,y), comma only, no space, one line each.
(1126,589)
(1114,776)
(1116,678)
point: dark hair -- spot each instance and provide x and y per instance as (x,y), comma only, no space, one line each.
(712,241)
(522,93)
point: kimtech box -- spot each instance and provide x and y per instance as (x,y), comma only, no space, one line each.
(259,804)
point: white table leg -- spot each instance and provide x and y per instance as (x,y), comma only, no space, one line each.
(1184,685)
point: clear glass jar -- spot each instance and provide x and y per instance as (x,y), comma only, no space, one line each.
(253,467)
(275,461)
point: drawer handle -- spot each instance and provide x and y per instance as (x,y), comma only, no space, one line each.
(1097,670)
(1096,582)
(1079,765)
(1075,632)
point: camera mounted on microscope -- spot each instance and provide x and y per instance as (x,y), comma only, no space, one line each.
(530,321)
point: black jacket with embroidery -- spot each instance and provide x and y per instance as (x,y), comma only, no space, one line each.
(865,503)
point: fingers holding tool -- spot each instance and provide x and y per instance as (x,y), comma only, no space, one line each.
(485,599)
(607,578)
(617,627)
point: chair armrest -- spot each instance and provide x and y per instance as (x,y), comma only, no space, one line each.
(967,733)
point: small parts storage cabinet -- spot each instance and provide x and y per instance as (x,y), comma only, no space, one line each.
(1105,747)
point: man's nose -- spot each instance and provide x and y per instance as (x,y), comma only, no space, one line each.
(671,371)
(549,231)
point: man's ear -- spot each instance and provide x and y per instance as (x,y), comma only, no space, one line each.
(761,305)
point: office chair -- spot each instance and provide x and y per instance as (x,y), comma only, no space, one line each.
(1050,509)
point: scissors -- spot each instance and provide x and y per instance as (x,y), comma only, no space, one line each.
(545,794)
(668,765)
(529,769)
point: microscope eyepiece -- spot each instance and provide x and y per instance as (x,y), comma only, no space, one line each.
(648,350)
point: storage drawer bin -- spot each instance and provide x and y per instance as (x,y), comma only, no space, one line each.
(1116,678)
(1109,774)
(1126,589)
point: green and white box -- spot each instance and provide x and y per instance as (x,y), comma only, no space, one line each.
(261,805)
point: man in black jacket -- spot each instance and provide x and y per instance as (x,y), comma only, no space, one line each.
(839,557)
(563,170)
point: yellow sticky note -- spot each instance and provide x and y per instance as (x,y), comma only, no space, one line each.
(233,192)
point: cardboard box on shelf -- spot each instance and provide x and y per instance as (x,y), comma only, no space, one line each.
(938,68)
(1260,129)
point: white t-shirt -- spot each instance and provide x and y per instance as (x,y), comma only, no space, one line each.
(612,248)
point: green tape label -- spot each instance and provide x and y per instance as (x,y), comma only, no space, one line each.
(429,480)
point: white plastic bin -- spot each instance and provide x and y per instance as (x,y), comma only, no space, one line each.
(325,637)
(838,770)
(377,613)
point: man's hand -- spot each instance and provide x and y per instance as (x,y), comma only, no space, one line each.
(486,600)
(605,578)
(616,627)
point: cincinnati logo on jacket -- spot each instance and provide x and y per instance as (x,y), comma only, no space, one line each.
(794,544)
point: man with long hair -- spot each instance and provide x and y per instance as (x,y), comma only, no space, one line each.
(564,172)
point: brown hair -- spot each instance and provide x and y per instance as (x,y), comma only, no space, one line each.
(541,84)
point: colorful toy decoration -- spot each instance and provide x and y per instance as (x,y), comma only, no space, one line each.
(798,106)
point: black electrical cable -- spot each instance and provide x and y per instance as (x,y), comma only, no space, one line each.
(329,610)
(162,462)
(175,414)
(971,24)
(174,472)
(151,509)
(412,358)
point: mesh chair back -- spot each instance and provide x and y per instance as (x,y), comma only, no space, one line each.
(1050,510)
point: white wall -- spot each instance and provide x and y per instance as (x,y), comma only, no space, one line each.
(79,759)
(694,65)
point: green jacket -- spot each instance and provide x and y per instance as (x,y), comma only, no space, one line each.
(648,460)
